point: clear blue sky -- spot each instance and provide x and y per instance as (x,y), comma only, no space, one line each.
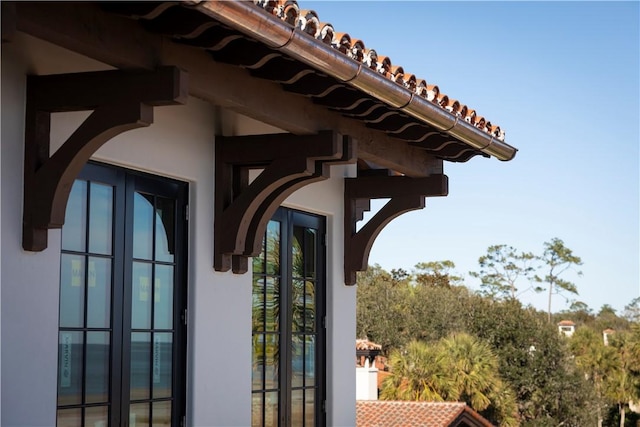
(562,78)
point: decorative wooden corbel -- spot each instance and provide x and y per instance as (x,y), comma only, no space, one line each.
(406,194)
(242,208)
(120,100)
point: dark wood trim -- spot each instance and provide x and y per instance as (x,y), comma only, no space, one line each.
(243,209)
(120,101)
(406,194)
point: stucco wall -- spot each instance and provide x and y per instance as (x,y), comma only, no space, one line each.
(180,144)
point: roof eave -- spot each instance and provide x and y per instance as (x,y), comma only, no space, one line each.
(254,22)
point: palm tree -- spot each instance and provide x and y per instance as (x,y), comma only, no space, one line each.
(457,368)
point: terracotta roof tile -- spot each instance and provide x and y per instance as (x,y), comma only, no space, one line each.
(382,413)
(308,21)
(367,345)
(566,323)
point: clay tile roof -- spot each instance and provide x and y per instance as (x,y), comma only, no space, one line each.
(288,11)
(367,345)
(382,413)
(566,323)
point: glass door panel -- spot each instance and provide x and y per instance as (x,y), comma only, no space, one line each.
(121,351)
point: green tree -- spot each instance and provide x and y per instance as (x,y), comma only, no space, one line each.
(456,368)
(382,309)
(557,259)
(632,310)
(501,268)
(623,384)
(436,273)
(599,363)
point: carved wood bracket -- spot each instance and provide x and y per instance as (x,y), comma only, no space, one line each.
(243,208)
(405,194)
(120,100)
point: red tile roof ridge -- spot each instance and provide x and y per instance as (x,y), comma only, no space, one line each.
(290,12)
(395,413)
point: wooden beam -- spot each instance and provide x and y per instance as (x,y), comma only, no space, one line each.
(243,209)
(123,43)
(406,194)
(127,104)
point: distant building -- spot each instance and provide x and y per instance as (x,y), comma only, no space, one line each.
(566,327)
(417,414)
(605,335)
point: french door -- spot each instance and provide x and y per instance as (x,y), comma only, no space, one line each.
(288,372)
(122,334)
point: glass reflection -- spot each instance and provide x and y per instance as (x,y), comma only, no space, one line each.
(309,307)
(142,226)
(141,296)
(99,292)
(297,361)
(256,410)
(70,359)
(271,356)
(75,220)
(297,408)
(97,367)
(165,230)
(69,417)
(309,408)
(162,366)
(72,287)
(297,305)
(96,416)
(100,218)
(161,414)
(258,362)
(163,297)
(272,304)
(273,247)
(271,409)
(257,305)
(140,366)
(139,415)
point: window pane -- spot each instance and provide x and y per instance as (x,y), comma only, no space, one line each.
(69,417)
(140,365)
(161,414)
(72,291)
(141,296)
(310,361)
(100,218)
(162,364)
(70,360)
(75,220)
(297,255)
(271,409)
(99,293)
(96,416)
(258,261)
(97,375)
(310,253)
(142,226)
(272,353)
(165,230)
(272,304)
(163,297)
(297,407)
(273,247)
(297,305)
(309,307)
(258,360)
(309,408)
(297,361)
(257,305)
(139,415)
(256,410)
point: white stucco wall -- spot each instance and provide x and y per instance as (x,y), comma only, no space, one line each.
(180,144)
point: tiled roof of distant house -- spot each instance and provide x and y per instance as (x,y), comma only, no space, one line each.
(381,413)
(566,323)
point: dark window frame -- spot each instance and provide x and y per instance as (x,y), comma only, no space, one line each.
(124,183)
(288,219)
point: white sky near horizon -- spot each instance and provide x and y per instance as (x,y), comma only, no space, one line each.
(563,80)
